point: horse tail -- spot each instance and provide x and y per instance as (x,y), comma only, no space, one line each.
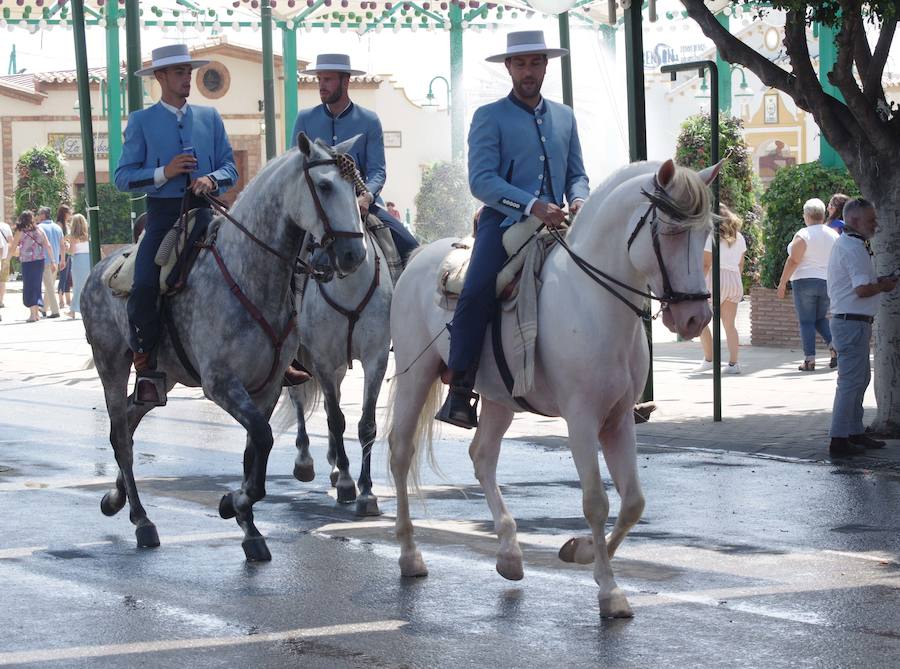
(89,363)
(284,417)
(422,436)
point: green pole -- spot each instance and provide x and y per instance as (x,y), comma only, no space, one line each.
(457,101)
(566,61)
(637,126)
(87,129)
(828,157)
(268,77)
(289,65)
(134,86)
(113,86)
(724,77)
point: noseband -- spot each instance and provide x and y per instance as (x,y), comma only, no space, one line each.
(660,200)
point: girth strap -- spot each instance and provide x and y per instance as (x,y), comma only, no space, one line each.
(354,315)
(169,321)
(256,314)
(503,366)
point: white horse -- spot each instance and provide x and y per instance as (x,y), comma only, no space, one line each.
(646,225)
(355,312)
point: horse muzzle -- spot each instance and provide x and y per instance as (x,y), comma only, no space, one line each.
(687,319)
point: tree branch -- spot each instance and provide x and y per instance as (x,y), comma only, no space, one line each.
(861,53)
(872,80)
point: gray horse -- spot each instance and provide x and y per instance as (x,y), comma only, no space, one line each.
(236,354)
(356,310)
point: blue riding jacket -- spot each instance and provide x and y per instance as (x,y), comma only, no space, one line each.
(154,136)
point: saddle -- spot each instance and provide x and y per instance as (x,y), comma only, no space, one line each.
(175,256)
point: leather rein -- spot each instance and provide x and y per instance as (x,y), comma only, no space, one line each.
(660,200)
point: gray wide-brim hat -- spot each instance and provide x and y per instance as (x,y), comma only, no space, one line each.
(169,56)
(524,43)
(333,62)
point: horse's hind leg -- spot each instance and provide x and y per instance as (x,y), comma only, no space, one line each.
(124,417)
(367,503)
(304,470)
(485,451)
(337,454)
(583,438)
(231,395)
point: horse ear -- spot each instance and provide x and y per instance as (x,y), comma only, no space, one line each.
(346,145)
(710,173)
(303,143)
(665,173)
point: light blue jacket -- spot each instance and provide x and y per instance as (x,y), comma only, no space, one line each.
(154,136)
(509,146)
(368,151)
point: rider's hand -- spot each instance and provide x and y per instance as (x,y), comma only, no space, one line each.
(203,185)
(364,201)
(575,207)
(887,283)
(183,163)
(549,214)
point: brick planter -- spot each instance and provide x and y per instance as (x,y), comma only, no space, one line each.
(773,322)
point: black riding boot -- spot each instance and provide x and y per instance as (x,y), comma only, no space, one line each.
(461,406)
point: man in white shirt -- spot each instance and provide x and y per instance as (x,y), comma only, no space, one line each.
(55,235)
(855,293)
(5,255)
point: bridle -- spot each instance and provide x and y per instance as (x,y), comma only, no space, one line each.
(347,168)
(660,200)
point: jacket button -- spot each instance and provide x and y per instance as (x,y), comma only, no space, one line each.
(541,158)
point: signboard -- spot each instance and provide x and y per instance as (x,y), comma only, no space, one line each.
(663,54)
(69,144)
(393,139)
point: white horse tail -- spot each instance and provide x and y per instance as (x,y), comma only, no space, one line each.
(284,417)
(422,435)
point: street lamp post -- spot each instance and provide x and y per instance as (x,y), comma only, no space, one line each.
(430,95)
(701,66)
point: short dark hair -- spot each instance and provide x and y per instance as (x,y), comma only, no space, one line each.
(26,220)
(390,204)
(854,208)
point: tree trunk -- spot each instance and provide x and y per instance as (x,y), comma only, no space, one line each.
(887,324)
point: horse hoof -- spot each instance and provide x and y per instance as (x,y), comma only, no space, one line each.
(112,503)
(147,537)
(579,550)
(367,505)
(255,550)
(226,507)
(346,494)
(413,567)
(334,477)
(510,568)
(614,605)
(304,473)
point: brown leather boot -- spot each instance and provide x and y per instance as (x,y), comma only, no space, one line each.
(295,375)
(149,385)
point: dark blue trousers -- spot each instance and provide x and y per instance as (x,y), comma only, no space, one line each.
(403,240)
(143,302)
(477,304)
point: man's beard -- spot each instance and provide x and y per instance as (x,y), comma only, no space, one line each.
(528,90)
(331,99)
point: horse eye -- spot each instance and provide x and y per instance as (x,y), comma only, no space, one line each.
(325,186)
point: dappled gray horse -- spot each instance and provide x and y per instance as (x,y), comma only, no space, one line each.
(235,320)
(355,310)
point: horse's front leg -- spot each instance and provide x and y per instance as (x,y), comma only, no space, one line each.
(583,442)
(485,451)
(230,394)
(367,503)
(337,454)
(304,469)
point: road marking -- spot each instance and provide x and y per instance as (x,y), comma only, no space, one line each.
(85,652)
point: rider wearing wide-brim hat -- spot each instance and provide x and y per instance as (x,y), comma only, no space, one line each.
(172,152)
(338,119)
(524,159)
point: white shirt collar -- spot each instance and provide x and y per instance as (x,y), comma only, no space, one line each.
(175,110)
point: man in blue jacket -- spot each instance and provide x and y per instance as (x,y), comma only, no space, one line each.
(172,151)
(524,159)
(338,119)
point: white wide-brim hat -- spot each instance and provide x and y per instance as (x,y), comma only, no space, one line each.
(524,43)
(333,62)
(168,56)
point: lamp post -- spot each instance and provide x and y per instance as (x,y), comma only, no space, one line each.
(701,66)
(430,95)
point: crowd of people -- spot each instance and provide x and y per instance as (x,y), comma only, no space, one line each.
(54,260)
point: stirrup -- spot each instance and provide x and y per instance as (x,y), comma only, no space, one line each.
(150,388)
(460,409)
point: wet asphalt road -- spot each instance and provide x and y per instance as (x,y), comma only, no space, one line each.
(738,561)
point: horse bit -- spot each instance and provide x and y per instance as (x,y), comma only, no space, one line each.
(660,200)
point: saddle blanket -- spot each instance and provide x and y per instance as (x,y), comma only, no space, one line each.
(119,276)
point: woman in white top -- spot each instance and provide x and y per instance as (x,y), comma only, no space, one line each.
(732,247)
(81,260)
(805,268)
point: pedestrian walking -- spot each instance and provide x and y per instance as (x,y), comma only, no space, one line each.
(80,261)
(855,292)
(5,259)
(31,245)
(54,233)
(64,289)
(836,212)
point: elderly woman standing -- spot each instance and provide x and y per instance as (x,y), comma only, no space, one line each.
(33,248)
(806,269)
